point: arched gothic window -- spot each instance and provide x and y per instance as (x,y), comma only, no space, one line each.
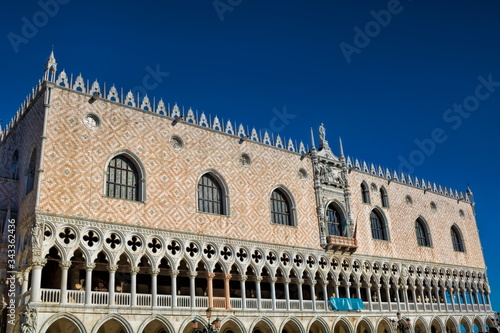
(210,195)
(365,193)
(123,179)
(422,233)
(378,225)
(281,208)
(383,197)
(30,175)
(456,239)
(335,221)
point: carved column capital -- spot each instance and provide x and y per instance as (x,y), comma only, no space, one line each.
(227,276)
(65,265)
(112,268)
(135,270)
(89,267)
(155,271)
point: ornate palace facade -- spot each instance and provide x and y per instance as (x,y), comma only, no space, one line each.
(128,215)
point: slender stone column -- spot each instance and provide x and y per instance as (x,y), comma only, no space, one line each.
(422,296)
(273,293)
(452,298)
(379,296)
(210,287)
(436,288)
(464,292)
(192,288)
(388,295)
(397,297)
(258,280)
(369,294)
(24,286)
(443,291)
(227,294)
(133,285)
(36,279)
(347,289)
(458,299)
(358,290)
(300,282)
(336,285)
(429,291)
(414,294)
(65,265)
(243,291)
(111,286)
(173,278)
(312,283)
(88,283)
(287,293)
(325,293)
(154,287)
(405,297)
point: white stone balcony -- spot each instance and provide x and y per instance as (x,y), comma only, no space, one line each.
(101,298)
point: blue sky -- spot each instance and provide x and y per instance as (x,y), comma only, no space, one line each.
(392,91)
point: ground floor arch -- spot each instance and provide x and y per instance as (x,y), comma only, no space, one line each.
(63,323)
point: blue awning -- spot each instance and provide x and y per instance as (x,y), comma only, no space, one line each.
(346,304)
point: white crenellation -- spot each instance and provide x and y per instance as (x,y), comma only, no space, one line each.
(190,117)
(216,124)
(79,84)
(229,128)
(405,179)
(146,105)
(95,88)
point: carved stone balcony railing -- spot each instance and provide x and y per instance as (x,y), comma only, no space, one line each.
(341,244)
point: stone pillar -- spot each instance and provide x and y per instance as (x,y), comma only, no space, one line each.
(154,287)
(458,299)
(243,291)
(325,293)
(397,297)
(24,286)
(444,298)
(414,294)
(358,290)
(88,283)
(173,279)
(300,282)
(133,285)
(258,280)
(227,294)
(436,290)
(422,296)
(429,291)
(210,287)
(379,296)
(312,283)
(111,287)
(336,285)
(369,294)
(287,293)
(388,295)
(65,265)
(192,288)
(347,290)
(36,279)
(405,296)
(273,293)
(452,298)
